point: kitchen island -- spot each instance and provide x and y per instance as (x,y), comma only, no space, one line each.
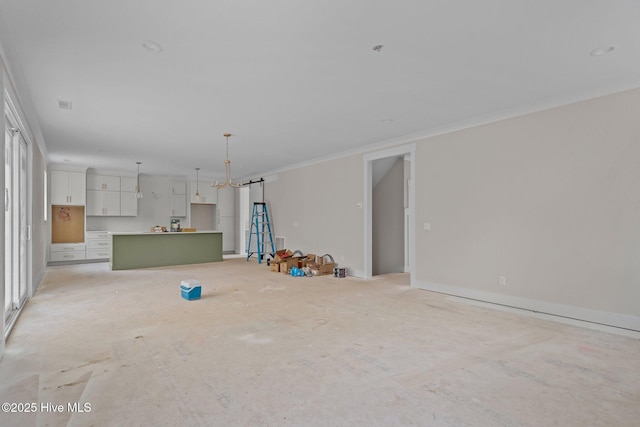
(145,249)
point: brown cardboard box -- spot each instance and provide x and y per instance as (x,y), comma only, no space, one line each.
(293,262)
(282,255)
(325,259)
(275,266)
(324,265)
(321,269)
(308,259)
(284,267)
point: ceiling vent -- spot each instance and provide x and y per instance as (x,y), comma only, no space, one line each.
(64,104)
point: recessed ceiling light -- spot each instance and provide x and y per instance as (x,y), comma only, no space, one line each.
(64,104)
(378,48)
(152,46)
(601,50)
(387,121)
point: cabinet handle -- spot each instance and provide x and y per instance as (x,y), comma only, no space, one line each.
(103,244)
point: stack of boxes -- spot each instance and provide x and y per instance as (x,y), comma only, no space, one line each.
(284,260)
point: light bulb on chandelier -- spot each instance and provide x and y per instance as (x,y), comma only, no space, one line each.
(227,166)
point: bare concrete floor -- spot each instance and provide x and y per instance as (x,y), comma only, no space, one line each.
(265,349)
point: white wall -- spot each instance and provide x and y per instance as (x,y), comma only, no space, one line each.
(314,208)
(549,200)
(40,230)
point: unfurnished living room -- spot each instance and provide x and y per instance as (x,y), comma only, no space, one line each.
(320,213)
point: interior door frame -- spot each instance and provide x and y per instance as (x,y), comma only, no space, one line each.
(409,152)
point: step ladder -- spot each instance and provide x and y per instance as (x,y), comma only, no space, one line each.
(261,231)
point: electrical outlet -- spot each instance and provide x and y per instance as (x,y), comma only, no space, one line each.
(502,281)
(427,226)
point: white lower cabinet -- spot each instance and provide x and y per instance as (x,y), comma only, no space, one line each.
(67,252)
(98,245)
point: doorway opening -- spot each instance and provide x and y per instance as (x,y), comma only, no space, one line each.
(389,211)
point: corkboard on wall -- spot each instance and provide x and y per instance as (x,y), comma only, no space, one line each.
(67,224)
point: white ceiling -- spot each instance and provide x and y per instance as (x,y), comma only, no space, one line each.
(297,80)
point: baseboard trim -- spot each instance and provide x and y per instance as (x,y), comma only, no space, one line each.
(355,273)
(566,312)
(36,282)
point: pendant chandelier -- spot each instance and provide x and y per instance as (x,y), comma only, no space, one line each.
(138,192)
(227,166)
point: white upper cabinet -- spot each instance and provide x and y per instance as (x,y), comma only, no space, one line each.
(178,187)
(103,182)
(68,188)
(178,198)
(103,203)
(128,199)
(128,204)
(128,184)
(109,195)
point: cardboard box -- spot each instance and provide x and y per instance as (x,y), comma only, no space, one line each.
(283,267)
(325,259)
(293,262)
(321,269)
(308,259)
(275,266)
(281,255)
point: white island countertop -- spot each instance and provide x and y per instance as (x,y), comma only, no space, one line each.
(165,233)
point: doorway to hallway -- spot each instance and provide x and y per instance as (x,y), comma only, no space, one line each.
(389,211)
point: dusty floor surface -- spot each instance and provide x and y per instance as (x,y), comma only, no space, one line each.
(265,349)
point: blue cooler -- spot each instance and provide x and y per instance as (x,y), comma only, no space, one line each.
(190,289)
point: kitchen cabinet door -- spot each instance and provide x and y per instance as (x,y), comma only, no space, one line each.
(103,182)
(103,203)
(128,204)
(68,188)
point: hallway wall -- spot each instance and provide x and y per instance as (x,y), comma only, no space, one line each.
(388,221)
